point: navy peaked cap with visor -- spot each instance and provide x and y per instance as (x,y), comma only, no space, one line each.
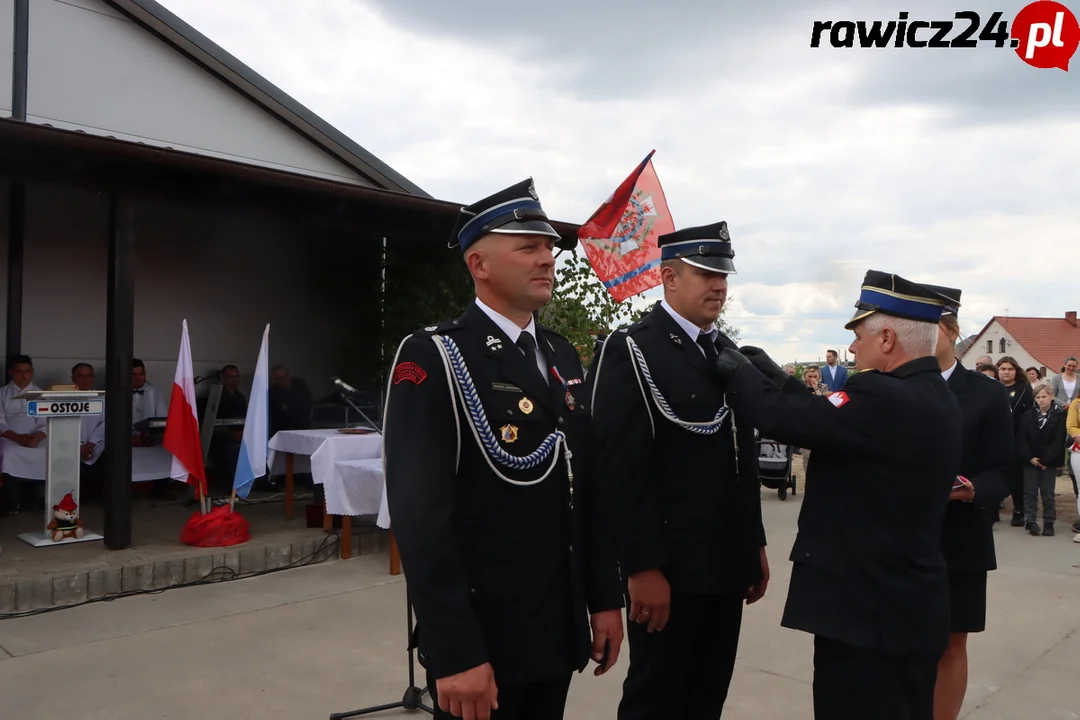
(891,294)
(707,247)
(949,296)
(515,210)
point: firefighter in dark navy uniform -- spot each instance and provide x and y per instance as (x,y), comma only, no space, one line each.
(510,565)
(869,579)
(968,534)
(681,471)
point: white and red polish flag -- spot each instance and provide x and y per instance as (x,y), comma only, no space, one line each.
(182,424)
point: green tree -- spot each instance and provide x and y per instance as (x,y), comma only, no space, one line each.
(580,307)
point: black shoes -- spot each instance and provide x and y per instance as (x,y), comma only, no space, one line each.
(1048,529)
(1033,528)
(1017,519)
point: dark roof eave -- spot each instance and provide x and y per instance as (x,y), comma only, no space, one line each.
(187,40)
(27,135)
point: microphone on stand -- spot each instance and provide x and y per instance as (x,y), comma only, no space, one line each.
(342,384)
(347,388)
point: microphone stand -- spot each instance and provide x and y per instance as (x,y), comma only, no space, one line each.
(413,699)
(360,412)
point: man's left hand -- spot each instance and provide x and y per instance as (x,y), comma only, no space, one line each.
(607,629)
(757,591)
(965,493)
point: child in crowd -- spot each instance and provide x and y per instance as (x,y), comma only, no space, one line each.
(1040,443)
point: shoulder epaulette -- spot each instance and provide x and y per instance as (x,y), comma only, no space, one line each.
(444,326)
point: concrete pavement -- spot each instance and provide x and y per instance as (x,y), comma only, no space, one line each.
(311,641)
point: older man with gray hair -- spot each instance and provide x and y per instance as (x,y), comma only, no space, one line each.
(869,579)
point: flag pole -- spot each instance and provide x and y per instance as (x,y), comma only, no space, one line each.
(232,501)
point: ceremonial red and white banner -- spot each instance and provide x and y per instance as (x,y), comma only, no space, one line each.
(620,237)
(182,424)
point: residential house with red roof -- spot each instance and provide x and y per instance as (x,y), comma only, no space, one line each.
(1034,341)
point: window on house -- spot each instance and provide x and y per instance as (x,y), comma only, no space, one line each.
(989,346)
(1004,347)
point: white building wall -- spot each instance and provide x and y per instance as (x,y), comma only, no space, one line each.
(227,275)
(7,40)
(92,69)
(989,343)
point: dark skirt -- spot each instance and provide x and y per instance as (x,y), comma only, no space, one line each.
(967,595)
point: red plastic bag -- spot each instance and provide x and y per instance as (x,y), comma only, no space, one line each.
(218,528)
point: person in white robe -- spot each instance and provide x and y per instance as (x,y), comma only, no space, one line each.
(147,399)
(22,437)
(92,434)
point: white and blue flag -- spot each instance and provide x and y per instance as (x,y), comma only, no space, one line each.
(253,447)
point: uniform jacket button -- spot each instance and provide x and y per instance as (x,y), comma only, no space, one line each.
(561,422)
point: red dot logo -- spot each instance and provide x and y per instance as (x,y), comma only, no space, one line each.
(1045,34)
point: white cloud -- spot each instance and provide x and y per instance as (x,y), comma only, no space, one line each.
(761,131)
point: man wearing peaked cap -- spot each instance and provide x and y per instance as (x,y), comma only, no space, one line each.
(515,210)
(680,471)
(869,580)
(488,478)
(893,295)
(986,460)
(707,247)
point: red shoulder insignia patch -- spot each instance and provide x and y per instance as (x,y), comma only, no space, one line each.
(838,399)
(409,371)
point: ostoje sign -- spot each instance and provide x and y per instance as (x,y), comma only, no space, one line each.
(39,408)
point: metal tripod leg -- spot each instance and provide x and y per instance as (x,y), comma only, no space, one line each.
(413,699)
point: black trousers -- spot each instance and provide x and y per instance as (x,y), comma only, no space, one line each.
(1014,478)
(853,683)
(683,672)
(519,701)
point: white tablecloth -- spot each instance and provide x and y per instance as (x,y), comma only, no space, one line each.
(150,463)
(147,463)
(325,448)
(358,488)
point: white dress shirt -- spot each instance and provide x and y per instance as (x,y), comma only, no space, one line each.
(948,373)
(690,328)
(150,403)
(93,430)
(513,332)
(16,460)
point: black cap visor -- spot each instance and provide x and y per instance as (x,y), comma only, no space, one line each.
(712,263)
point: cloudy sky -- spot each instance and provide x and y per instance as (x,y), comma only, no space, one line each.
(954,166)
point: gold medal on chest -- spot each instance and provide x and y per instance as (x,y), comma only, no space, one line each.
(509,433)
(525,405)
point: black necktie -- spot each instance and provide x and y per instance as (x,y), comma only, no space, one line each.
(707,345)
(527,343)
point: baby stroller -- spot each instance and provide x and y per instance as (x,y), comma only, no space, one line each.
(774,467)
